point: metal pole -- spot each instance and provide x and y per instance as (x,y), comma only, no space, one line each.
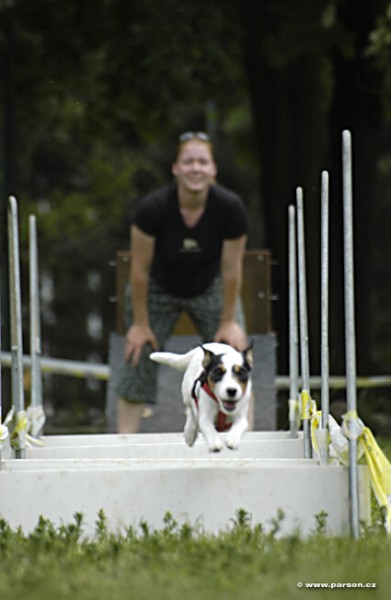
(35,412)
(350,338)
(305,371)
(322,434)
(293,325)
(15,313)
(1,383)
(35,329)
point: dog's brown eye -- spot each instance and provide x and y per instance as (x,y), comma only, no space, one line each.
(217,374)
(242,374)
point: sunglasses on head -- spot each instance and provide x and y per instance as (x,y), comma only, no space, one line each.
(190,135)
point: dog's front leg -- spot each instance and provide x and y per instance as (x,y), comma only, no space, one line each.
(191,427)
(212,438)
(239,427)
(207,427)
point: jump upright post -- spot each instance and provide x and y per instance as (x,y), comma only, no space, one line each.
(352,428)
(303,327)
(35,332)
(3,432)
(293,325)
(16,316)
(322,433)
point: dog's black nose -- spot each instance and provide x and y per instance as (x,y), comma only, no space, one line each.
(231,392)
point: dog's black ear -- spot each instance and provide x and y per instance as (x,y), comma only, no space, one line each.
(248,355)
(208,355)
(250,344)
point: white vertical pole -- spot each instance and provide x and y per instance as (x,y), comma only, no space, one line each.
(322,433)
(325,298)
(303,321)
(350,338)
(293,325)
(16,312)
(1,383)
(35,330)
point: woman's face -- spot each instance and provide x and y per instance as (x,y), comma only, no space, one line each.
(194,168)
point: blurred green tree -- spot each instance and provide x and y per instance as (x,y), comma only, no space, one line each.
(96,92)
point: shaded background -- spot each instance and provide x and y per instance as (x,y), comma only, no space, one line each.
(93,96)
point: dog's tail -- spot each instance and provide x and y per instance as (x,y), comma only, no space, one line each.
(179,362)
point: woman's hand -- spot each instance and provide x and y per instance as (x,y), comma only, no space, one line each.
(232,334)
(136,338)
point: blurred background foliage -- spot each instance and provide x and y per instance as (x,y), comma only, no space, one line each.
(93,97)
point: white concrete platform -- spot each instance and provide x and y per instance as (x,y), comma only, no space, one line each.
(142,476)
(198,491)
(120,439)
(101,464)
(200,488)
(250,447)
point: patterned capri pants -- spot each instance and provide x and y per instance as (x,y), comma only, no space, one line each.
(138,384)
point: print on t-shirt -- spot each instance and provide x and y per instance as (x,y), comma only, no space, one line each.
(190,245)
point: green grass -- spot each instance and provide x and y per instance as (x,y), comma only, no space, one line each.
(181,562)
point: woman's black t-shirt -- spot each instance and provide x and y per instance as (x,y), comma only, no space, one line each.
(187,259)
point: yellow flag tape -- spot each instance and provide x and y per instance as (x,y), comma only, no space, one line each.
(305,403)
(18,435)
(380,472)
(315,424)
(308,406)
(378,464)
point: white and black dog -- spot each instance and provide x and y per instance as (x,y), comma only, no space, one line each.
(216,391)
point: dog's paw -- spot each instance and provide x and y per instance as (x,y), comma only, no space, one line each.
(190,437)
(190,431)
(232,442)
(216,445)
